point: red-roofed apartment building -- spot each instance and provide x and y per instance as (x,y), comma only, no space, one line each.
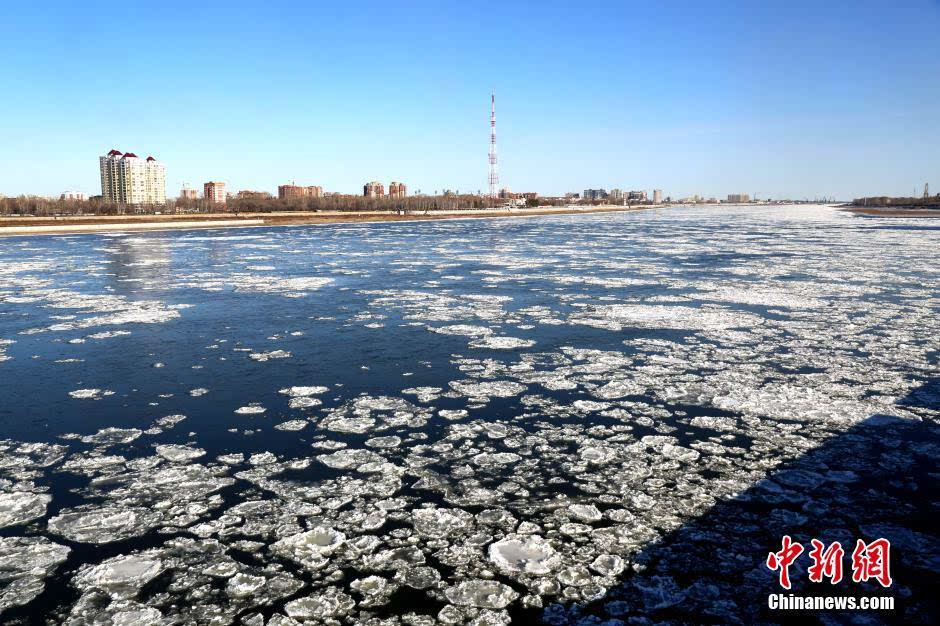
(128,179)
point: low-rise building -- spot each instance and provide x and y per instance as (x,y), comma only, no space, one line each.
(738,198)
(636,196)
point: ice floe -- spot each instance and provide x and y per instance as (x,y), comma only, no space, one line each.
(25,562)
(19,507)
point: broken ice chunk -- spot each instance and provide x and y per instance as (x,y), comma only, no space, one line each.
(502,343)
(608,565)
(585,512)
(298,392)
(261,357)
(178,453)
(251,409)
(324,604)
(529,554)
(90,394)
(483,594)
(122,576)
(20,507)
(310,548)
(103,524)
(24,564)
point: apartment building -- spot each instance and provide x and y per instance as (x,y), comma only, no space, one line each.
(128,179)
(214,192)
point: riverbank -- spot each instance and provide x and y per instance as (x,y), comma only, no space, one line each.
(15,225)
(891,211)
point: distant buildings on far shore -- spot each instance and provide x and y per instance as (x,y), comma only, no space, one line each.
(296,191)
(246,194)
(614,195)
(397,189)
(128,179)
(376,189)
(640,197)
(214,192)
(73,195)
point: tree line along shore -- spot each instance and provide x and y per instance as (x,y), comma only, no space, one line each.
(41,207)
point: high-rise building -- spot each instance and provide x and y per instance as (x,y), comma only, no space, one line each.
(126,179)
(189,194)
(290,191)
(594,194)
(375,189)
(616,194)
(214,192)
(73,195)
(397,190)
(636,196)
(739,197)
(657,196)
(314,191)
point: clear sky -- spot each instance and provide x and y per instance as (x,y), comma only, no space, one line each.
(786,99)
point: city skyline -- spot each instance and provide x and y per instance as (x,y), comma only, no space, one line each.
(675,100)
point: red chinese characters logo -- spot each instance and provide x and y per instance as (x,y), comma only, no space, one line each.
(783,559)
(826,563)
(869,560)
(872,560)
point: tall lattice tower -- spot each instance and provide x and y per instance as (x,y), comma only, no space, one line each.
(494,174)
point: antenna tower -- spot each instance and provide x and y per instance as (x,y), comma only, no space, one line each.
(494,174)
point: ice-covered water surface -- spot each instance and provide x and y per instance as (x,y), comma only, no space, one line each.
(556,418)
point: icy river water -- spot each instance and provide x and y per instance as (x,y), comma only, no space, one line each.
(601,419)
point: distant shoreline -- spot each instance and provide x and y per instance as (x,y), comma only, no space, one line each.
(885,211)
(77,224)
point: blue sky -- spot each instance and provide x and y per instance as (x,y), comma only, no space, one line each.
(787,99)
